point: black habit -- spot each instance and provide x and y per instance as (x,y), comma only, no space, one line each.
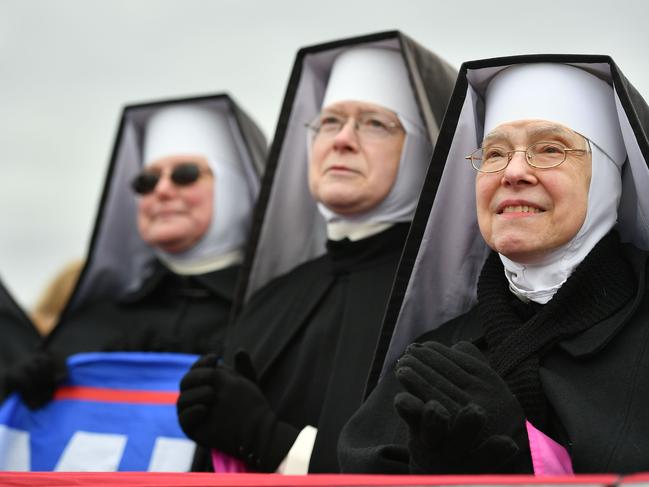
(594,373)
(310,314)
(167,313)
(320,328)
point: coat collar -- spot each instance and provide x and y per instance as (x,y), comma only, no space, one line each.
(220,283)
(598,336)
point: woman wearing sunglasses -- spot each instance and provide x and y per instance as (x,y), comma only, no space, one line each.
(167,244)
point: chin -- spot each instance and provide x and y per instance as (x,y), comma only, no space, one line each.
(340,202)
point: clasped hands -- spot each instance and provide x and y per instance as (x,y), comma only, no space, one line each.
(461,416)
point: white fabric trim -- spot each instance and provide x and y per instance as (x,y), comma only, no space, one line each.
(558,93)
(202,266)
(298,457)
(354,232)
(376,75)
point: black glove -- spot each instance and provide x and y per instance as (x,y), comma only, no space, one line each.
(461,376)
(225,409)
(37,377)
(441,444)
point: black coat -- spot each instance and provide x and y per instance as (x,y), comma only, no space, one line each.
(169,312)
(596,383)
(18,336)
(312,332)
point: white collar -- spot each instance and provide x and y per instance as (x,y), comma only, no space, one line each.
(354,231)
(203,266)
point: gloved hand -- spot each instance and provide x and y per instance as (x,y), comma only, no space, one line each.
(37,377)
(225,409)
(441,444)
(455,378)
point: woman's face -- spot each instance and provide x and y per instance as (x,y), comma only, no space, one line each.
(351,172)
(174,218)
(525,212)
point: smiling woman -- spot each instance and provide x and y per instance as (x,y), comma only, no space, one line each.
(524,211)
(173,216)
(518,323)
(168,240)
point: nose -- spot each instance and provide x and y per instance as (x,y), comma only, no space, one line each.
(165,187)
(518,171)
(347,138)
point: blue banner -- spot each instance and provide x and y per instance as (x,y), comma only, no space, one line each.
(116,412)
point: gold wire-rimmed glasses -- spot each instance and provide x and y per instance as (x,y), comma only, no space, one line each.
(541,155)
(369,125)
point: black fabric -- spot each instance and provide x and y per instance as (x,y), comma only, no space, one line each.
(441,443)
(224,408)
(588,378)
(36,377)
(168,312)
(18,336)
(311,335)
(515,344)
(443,381)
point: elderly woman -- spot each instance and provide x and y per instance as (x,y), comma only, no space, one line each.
(168,241)
(345,169)
(540,364)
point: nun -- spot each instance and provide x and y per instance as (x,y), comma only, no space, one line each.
(519,326)
(353,144)
(168,241)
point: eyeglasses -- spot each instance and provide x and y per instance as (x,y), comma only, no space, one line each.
(367,125)
(541,155)
(183,174)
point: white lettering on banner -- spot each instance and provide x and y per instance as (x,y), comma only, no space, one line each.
(172,455)
(14,450)
(92,452)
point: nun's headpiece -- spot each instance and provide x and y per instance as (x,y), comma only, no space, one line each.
(559,93)
(372,75)
(585,103)
(445,251)
(322,75)
(205,131)
(118,259)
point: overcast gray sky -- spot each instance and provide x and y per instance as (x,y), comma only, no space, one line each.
(68,66)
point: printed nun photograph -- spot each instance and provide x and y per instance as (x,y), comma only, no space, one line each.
(527,303)
(345,170)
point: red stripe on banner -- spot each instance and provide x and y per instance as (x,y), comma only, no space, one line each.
(101,394)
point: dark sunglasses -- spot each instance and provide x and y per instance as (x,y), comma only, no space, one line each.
(181,175)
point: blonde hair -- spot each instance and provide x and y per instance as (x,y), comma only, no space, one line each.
(51,302)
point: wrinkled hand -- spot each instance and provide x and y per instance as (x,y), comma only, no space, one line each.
(458,377)
(37,377)
(225,409)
